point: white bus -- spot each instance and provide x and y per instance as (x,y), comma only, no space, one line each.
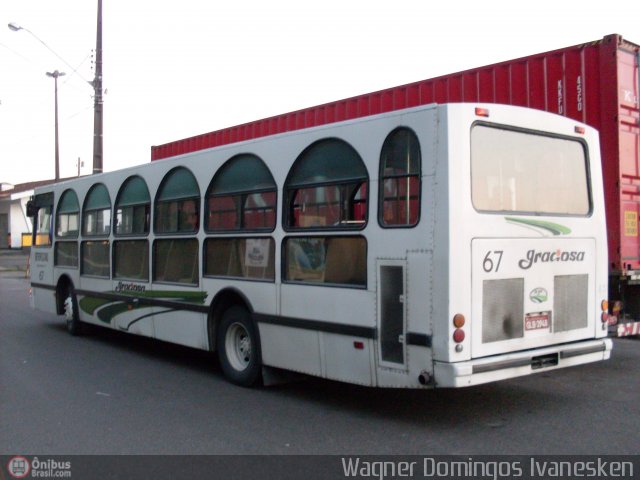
(436,246)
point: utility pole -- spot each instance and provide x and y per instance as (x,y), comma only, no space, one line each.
(55,76)
(97,98)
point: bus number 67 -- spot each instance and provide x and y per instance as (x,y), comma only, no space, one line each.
(492,259)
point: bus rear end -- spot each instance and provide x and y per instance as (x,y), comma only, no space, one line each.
(527,259)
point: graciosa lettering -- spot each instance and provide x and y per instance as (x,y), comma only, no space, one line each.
(546,257)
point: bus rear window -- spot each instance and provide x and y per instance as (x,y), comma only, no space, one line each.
(527,172)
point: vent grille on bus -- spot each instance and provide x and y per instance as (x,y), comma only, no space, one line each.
(570,302)
(502,309)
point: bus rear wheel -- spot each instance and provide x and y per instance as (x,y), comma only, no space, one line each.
(238,347)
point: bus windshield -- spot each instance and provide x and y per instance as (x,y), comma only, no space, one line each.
(528,173)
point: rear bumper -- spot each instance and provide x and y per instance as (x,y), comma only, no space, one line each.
(511,365)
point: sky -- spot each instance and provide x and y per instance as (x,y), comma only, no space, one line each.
(176,69)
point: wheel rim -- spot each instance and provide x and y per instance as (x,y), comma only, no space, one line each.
(238,346)
(68,309)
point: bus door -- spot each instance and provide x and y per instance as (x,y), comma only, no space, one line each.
(40,210)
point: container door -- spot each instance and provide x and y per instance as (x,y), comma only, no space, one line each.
(392,314)
(629,157)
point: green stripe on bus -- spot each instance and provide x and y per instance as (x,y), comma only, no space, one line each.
(554,228)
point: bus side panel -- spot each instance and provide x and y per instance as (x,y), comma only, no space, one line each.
(315,351)
(348,358)
(293,349)
(181,326)
(44,299)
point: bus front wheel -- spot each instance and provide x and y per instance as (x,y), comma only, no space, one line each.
(71,316)
(238,347)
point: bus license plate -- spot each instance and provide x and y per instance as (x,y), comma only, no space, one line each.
(537,321)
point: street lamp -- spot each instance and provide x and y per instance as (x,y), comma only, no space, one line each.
(97,91)
(55,76)
(16,28)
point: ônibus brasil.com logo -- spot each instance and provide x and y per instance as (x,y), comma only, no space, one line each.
(21,467)
(546,257)
(18,467)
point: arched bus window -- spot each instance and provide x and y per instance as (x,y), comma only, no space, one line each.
(177,207)
(67,226)
(133,208)
(96,213)
(67,215)
(399,197)
(132,219)
(241,196)
(96,222)
(327,188)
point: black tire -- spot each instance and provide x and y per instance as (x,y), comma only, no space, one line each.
(71,315)
(238,346)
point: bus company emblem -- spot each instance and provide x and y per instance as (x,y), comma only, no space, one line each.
(539,295)
(534,257)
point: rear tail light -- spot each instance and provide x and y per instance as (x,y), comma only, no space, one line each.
(604,316)
(458,333)
(604,306)
(579,130)
(482,112)
(458,320)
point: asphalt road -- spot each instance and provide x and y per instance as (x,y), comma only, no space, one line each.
(111,393)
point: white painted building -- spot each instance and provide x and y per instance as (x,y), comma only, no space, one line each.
(14,222)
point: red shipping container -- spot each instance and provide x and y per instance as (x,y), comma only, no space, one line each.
(595,83)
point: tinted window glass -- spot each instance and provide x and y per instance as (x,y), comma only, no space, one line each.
(95,259)
(176,261)
(177,208)
(242,195)
(96,217)
(131,259)
(526,172)
(240,257)
(400,164)
(133,208)
(67,215)
(326,260)
(327,188)
(66,254)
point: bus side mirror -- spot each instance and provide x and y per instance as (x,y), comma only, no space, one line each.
(32,210)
